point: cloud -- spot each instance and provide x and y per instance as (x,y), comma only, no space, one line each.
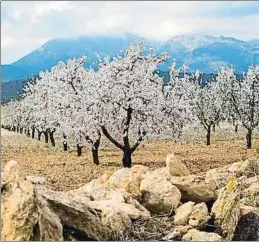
(26,26)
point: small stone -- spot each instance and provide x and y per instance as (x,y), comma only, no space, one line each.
(196,235)
(182,213)
(199,216)
(177,233)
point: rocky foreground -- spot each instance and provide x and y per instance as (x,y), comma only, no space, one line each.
(136,204)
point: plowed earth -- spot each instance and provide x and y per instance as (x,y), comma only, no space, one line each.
(65,171)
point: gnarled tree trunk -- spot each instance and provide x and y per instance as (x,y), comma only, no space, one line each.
(126,160)
(46,135)
(51,137)
(33,133)
(94,147)
(79,149)
(208,134)
(127,150)
(249,138)
(39,134)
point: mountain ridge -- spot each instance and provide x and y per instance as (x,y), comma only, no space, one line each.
(204,52)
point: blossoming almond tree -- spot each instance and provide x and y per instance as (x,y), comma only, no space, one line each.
(80,115)
(177,103)
(244,97)
(130,98)
(208,105)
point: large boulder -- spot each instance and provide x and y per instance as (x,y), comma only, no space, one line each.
(226,209)
(182,213)
(127,181)
(10,173)
(195,188)
(221,175)
(232,168)
(49,227)
(116,219)
(139,169)
(19,213)
(247,228)
(33,212)
(199,216)
(176,167)
(158,194)
(252,190)
(75,214)
(246,182)
(220,178)
(196,235)
(129,209)
(98,192)
(163,172)
(249,167)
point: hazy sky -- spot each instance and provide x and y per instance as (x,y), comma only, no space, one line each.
(26,26)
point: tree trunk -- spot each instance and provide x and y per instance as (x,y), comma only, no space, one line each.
(94,147)
(39,134)
(127,150)
(126,160)
(249,139)
(65,142)
(79,150)
(51,137)
(95,156)
(208,135)
(46,137)
(28,133)
(236,128)
(21,130)
(33,133)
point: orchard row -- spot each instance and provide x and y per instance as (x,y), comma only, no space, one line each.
(127,102)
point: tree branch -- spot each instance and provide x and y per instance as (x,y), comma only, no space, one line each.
(138,142)
(108,136)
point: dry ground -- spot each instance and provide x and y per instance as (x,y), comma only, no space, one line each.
(65,171)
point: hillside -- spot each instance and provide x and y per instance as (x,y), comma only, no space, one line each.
(11,89)
(11,73)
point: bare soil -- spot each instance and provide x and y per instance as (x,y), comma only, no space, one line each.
(65,171)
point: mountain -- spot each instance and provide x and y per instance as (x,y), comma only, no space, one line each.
(204,52)
(63,49)
(207,53)
(11,72)
(254,42)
